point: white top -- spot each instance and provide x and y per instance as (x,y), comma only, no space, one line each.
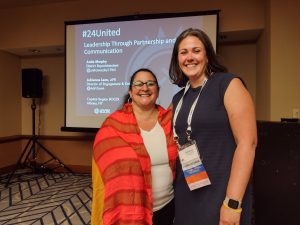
(162,178)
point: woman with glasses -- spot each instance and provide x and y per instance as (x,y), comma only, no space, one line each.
(134,160)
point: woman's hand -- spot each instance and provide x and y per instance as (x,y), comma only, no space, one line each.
(229,216)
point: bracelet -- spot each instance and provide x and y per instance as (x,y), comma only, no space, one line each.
(235,210)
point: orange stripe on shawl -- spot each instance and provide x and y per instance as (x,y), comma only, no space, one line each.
(119,215)
(124,183)
(116,154)
(138,198)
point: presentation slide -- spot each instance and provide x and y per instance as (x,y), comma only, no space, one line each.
(101,57)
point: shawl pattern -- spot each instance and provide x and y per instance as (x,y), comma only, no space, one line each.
(122,188)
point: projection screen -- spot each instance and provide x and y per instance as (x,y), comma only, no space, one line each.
(102,54)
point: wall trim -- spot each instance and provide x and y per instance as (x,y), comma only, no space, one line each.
(47,137)
(74,168)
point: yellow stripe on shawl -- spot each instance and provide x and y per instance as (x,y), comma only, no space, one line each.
(98,196)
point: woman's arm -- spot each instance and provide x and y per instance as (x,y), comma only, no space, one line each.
(241,113)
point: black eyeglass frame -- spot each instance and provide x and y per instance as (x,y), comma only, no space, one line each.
(139,84)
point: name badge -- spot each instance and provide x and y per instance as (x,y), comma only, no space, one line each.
(193,169)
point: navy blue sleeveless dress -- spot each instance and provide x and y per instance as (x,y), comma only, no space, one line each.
(212,133)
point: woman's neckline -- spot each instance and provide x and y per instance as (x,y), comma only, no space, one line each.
(195,88)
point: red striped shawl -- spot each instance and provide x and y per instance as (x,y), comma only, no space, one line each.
(125,168)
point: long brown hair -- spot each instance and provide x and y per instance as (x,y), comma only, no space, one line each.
(175,73)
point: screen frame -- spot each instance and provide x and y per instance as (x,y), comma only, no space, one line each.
(120,19)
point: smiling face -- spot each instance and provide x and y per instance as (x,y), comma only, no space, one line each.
(144,90)
(192,59)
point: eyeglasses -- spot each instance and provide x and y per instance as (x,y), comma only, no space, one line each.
(139,84)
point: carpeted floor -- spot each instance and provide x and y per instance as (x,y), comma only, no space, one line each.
(45,199)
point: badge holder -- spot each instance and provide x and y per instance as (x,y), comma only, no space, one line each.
(192,167)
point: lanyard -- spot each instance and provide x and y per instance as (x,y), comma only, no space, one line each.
(189,120)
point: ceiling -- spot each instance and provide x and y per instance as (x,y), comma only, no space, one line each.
(4,4)
(24,52)
(224,38)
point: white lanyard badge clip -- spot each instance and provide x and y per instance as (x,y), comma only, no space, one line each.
(191,163)
(189,120)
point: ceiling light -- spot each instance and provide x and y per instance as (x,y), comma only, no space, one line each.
(34,51)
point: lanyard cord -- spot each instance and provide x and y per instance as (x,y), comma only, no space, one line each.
(189,120)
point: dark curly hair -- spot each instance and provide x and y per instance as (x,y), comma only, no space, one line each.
(127,96)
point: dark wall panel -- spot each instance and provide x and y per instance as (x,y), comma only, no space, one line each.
(277,174)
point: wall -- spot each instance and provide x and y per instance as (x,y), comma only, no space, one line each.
(39,27)
(50,108)
(263,75)
(10,103)
(269,66)
(75,152)
(10,150)
(285,55)
(245,55)
(43,25)
(10,92)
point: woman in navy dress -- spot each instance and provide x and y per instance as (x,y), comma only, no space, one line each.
(215,112)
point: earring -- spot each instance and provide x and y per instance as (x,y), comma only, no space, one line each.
(129,100)
(208,70)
